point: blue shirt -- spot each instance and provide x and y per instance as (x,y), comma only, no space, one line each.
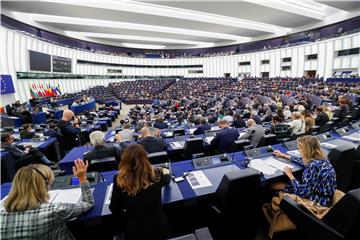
(318,182)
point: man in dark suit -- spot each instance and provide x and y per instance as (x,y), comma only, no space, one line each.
(238,121)
(203,127)
(27,132)
(68,131)
(321,117)
(151,141)
(100,150)
(51,132)
(159,123)
(223,140)
(18,151)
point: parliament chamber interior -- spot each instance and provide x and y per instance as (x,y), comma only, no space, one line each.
(180,120)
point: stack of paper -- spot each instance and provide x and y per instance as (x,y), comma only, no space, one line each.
(66,195)
(327,145)
(277,164)
(262,166)
(209,139)
(198,179)
(294,153)
(177,144)
(353,137)
(192,130)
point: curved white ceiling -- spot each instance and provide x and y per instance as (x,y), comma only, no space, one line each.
(178,24)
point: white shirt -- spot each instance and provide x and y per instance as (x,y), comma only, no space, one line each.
(297,125)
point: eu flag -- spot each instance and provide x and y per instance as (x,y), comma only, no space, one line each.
(6,84)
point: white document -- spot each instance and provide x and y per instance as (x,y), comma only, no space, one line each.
(277,164)
(177,144)
(108,194)
(111,139)
(53,194)
(209,139)
(192,130)
(262,166)
(354,137)
(327,145)
(198,179)
(112,132)
(241,134)
(68,196)
(294,153)
(215,128)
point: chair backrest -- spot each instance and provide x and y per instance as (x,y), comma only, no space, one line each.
(344,216)
(239,145)
(158,157)
(266,140)
(314,129)
(327,127)
(179,132)
(295,136)
(238,196)
(343,123)
(194,145)
(237,187)
(103,164)
(342,158)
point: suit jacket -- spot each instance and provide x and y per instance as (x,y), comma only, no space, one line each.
(321,119)
(51,133)
(26,134)
(143,212)
(15,150)
(201,129)
(103,152)
(160,125)
(254,134)
(239,123)
(223,140)
(70,134)
(153,144)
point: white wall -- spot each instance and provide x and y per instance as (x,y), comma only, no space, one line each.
(14,58)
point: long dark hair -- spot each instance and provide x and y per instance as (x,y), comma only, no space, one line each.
(135,170)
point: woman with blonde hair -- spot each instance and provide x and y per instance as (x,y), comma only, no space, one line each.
(136,195)
(27,212)
(318,181)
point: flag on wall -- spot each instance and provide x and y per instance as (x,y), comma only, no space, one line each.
(6,84)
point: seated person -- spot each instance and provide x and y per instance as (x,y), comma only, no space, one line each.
(280,129)
(309,120)
(223,140)
(203,127)
(343,110)
(127,135)
(159,123)
(318,181)
(69,131)
(51,132)
(151,140)
(181,123)
(27,132)
(254,132)
(136,195)
(268,116)
(297,125)
(238,122)
(100,150)
(18,151)
(321,117)
(27,212)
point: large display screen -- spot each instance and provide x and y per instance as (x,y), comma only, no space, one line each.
(61,64)
(39,61)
